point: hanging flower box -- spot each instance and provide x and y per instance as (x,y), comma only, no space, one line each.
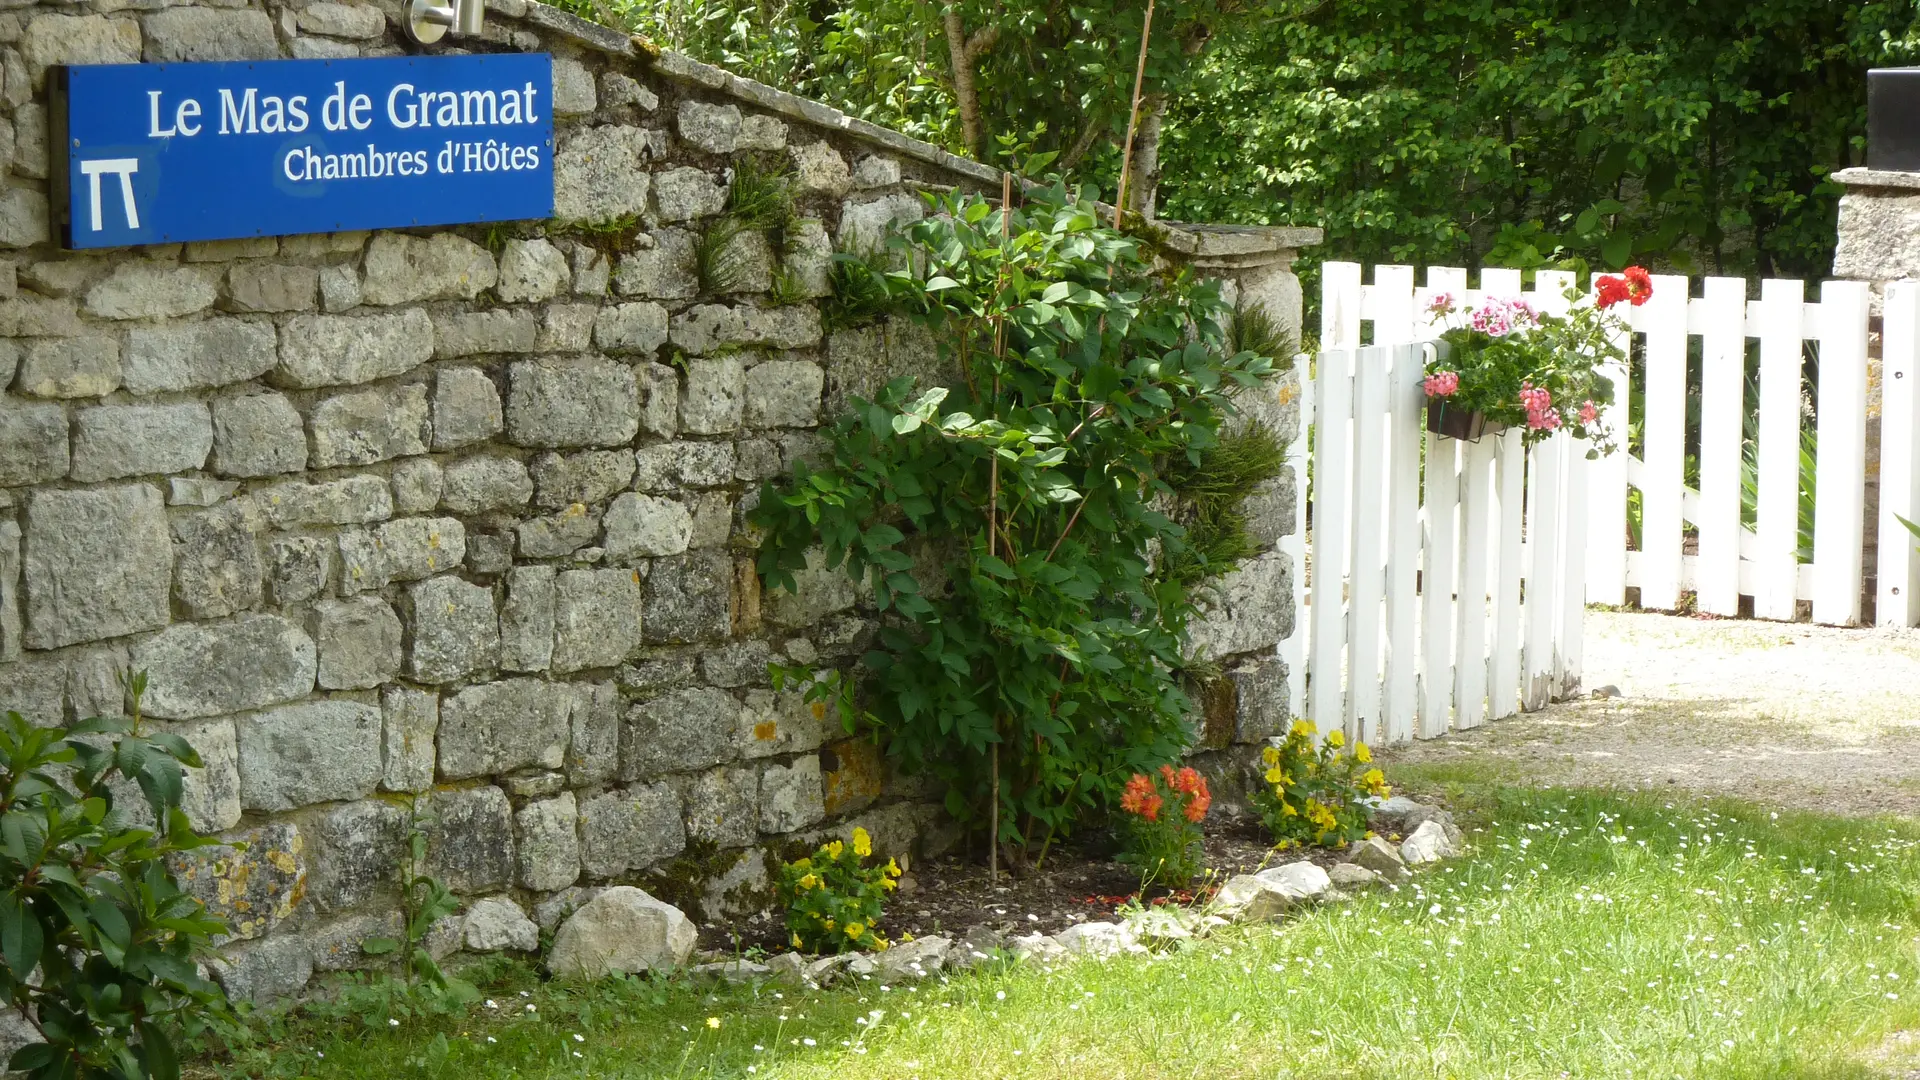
(1505,365)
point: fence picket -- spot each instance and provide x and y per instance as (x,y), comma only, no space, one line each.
(1607,489)
(1477,528)
(1898,563)
(1723,378)
(1839,511)
(1543,536)
(1340,305)
(1403,541)
(1503,667)
(1781,319)
(1664,317)
(1369,574)
(1333,399)
(1568,593)
(1436,584)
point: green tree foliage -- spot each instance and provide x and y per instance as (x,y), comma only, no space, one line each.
(97,940)
(1696,134)
(1046,663)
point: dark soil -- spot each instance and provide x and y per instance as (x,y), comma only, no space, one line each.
(956,893)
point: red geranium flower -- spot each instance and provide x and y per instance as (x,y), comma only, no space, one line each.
(1610,290)
(1639,285)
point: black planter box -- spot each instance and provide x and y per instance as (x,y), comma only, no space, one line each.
(1468,426)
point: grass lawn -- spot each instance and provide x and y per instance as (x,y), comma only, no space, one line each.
(1586,935)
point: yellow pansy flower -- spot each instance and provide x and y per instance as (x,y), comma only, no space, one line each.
(831,924)
(1271,755)
(834,849)
(809,882)
(862,843)
(1361,754)
(893,868)
(1336,739)
(1304,728)
(854,930)
(796,939)
(1276,775)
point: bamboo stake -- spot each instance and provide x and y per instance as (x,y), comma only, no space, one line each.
(1133,116)
(993,494)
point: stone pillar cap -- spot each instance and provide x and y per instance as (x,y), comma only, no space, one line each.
(1878,178)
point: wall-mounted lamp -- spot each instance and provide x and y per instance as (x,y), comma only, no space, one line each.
(428,22)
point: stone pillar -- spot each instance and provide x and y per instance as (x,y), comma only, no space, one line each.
(1250,615)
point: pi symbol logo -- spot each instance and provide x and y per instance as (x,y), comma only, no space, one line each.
(124,168)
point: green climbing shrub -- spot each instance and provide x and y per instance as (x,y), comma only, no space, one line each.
(1045,668)
(97,941)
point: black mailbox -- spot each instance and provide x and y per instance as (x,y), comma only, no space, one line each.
(1893,119)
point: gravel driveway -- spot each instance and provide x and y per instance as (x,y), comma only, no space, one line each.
(1812,717)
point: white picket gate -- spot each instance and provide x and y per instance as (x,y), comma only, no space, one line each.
(1731,559)
(1439,568)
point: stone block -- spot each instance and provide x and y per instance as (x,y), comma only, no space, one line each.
(646,526)
(298,568)
(192,356)
(489,553)
(332,350)
(638,327)
(561,403)
(257,435)
(773,724)
(478,484)
(558,535)
(712,128)
(526,619)
(216,562)
(808,258)
(712,519)
(665,467)
(23,218)
(875,171)
(417,485)
(497,727)
(630,828)
(593,757)
(714,396)
(666,271)
(340,945)
(210,795)
(339,288)
(689,599)
(795,326)
(591,270)
(470,840)
(818,169)
(69,367)
(358,642)
(547,833)
(255,881)
(567,328)
(737,663)
(416,548)
(590,476)
(707,328)
(314,751)
(151,290)
(1248,609)
(115,441)
(209,669)
(352,500)
(723,807)
(33,442)
(660,400)
(784,393)
(596,618)
(1261,708)
(342,20)
(852,775)
(600,173)
(791,795)
(531,271)
(198,491)
(10,625)
(356,853)
(617,90)
(410,722)
(363,562)
(455,630)
(273,287)
(403,269)
(573,93)
(622,931)
(761,133)
(497,923)
(865,226)
(193,34)
(1269,510)
(744,264)
(262,973)
(684,193)
(78,39)
(476,333)
(35,686)
(365,426)
(819,592)
(686,729)
(97,564)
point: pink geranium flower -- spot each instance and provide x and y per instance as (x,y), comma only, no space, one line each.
(1442,383)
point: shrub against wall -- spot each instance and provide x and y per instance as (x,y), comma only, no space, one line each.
(1018,520)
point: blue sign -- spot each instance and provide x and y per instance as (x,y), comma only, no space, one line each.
(160,153)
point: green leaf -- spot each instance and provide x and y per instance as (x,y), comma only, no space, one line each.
(906,424)
(940,283)
(20,937)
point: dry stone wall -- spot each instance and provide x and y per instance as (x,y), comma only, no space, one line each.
(447,526)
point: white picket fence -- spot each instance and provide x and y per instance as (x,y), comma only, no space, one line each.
(1731,560)
(1444,574)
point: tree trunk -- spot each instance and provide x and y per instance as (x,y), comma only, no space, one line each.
(1143,183)
(962,53)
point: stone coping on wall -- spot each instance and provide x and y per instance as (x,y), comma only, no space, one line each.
(1878,178)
